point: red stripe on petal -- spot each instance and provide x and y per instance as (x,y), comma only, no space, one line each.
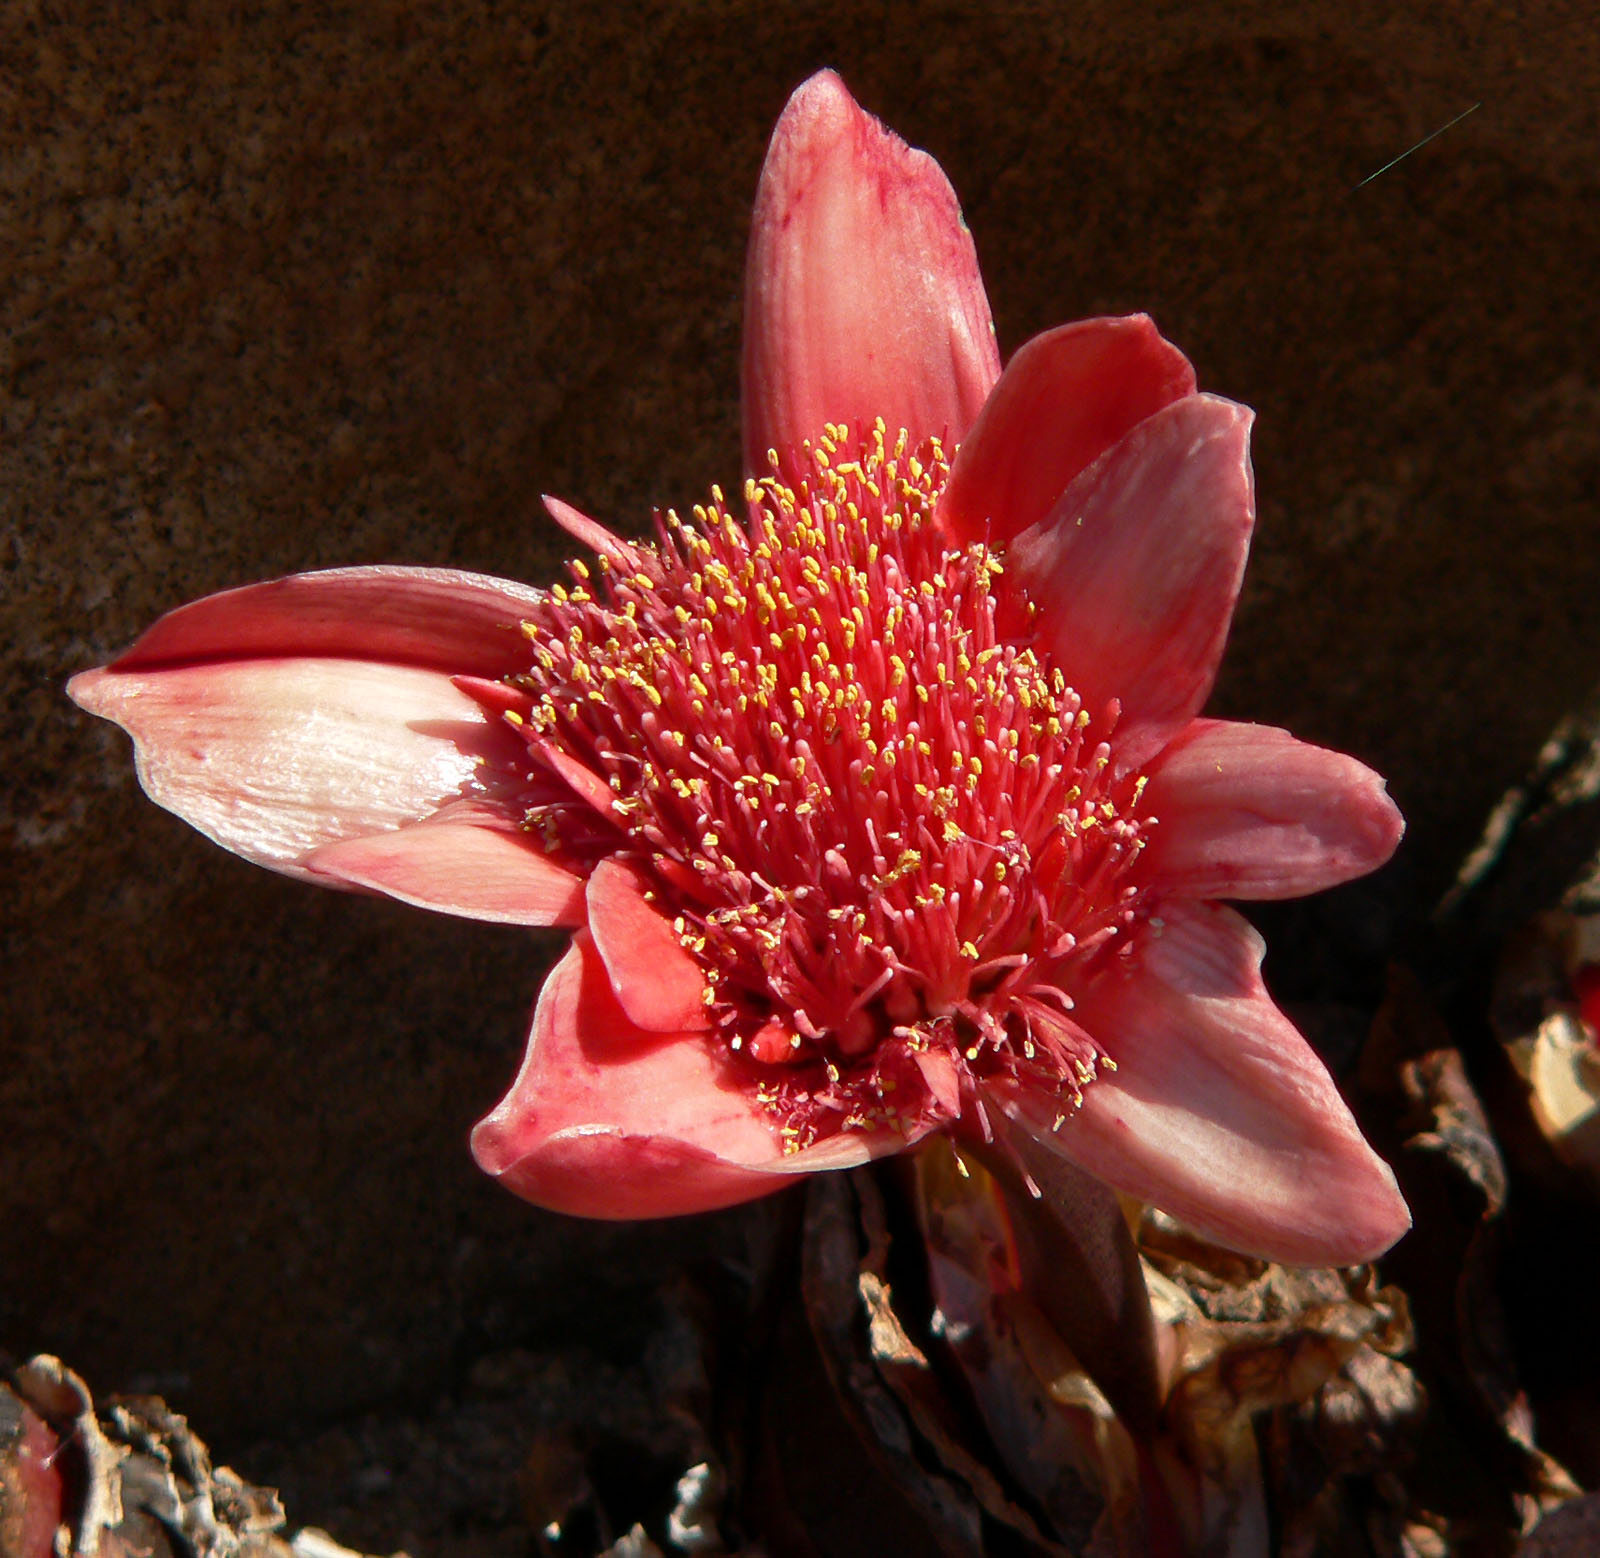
(1064,399)
(862,295)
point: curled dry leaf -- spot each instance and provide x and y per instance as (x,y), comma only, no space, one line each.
(1541,843)
(1282,1386)
(1075,1259)
(916,1431)
(1481,1478)
(1285,1382)
(1051,1426)
(1527,901)
(62,1401)
(1551,1127)
(1238,1338)
(1517,938)
(139,1483)
(1539,1015)
(1272,1342)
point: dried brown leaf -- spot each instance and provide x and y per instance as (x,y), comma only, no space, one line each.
(1534,1013)
(886,1383)
(145,1484)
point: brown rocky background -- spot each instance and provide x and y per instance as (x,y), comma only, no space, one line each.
(294,285)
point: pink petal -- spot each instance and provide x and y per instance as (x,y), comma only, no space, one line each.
(583,781)
(466,860)
(862,292)
(437,617)
(274,758)
(592,533)
(1064,399)
(1138,566)
(656,981)
(944,1083)
(1219,1112)
(606,1119)
(1247,811)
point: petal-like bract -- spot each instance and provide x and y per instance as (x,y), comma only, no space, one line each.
(467,858)
(1250,812)
(1064,399)
(1218,1110)
(607,1119)
(286,717)
(656,982)
(1137,567)
(274,758)
(863,298)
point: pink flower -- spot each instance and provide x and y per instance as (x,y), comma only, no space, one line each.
(878,801)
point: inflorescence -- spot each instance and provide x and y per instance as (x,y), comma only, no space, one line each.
(875,813)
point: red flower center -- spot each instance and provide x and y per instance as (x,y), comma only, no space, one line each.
(874,811)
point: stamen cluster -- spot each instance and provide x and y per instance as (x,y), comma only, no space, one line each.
(876,814)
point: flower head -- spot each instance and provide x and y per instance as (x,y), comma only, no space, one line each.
(878,800)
